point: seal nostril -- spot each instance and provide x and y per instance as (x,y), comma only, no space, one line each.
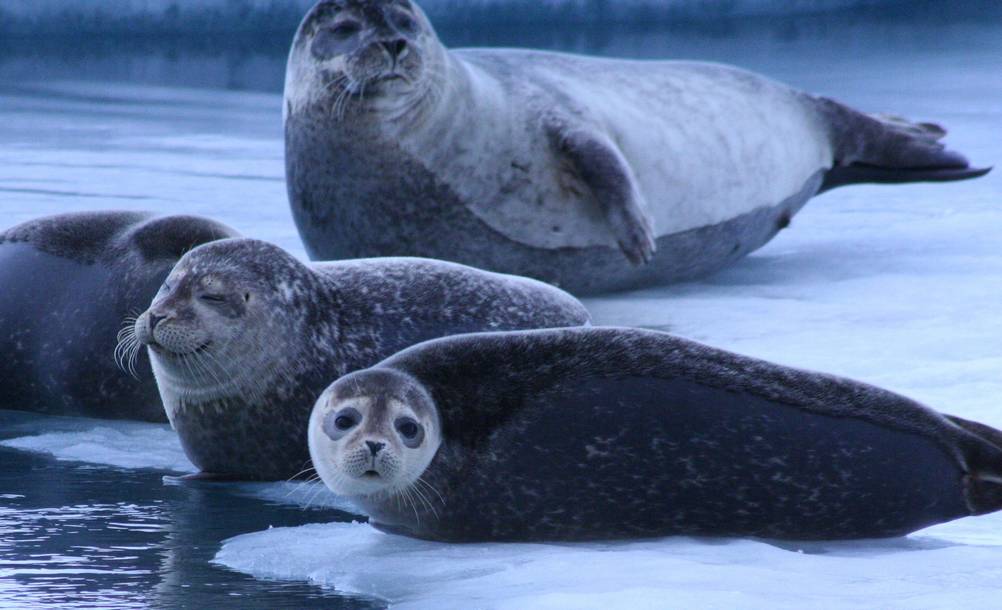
(154,320)
(374,447)
(395,47)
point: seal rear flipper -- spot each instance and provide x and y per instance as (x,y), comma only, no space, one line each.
(860,173)
(171,237)
(600,167)
(983,483)
(888,150)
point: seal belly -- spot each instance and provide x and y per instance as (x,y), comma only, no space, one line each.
(706,143)
(641,457)
(342,209)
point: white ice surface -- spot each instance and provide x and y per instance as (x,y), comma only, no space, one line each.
(117,444)
(932,570)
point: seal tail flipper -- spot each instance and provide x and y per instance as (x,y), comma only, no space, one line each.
(983,483)
(886,149)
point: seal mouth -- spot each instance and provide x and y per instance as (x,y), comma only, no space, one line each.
(164,351)
(371,474)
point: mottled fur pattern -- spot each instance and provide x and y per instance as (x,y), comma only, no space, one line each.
(68,283)
(604,433)
(561,167)
(241,405)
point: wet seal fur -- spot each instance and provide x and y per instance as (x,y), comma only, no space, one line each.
(67,283)
(560,167)
(243,338)
(605,433)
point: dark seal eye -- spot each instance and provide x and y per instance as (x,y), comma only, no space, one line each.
(405,23)
(346,29)
(411,432)
(213,298)
(330,42)
(337,424)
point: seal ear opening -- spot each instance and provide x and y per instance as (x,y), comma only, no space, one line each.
(171,237)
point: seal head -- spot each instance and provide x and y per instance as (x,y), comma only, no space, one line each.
(222,313)
(351,51)
(374,433)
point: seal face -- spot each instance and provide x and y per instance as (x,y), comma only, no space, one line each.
(380,442)
(68,283)
(243,338)
(602,433)
(592,174)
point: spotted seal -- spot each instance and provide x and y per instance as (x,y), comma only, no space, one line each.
(602,433)
(560,167)
(67,282)
(243,337)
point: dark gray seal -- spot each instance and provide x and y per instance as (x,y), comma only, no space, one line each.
(243,337)
(67,283)
(560,167)
(603,433)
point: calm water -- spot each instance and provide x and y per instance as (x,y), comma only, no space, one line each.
(181,125)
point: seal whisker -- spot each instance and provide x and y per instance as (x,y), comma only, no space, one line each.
(421,481)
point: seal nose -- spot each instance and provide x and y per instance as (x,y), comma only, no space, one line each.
(395,48)
(374,447)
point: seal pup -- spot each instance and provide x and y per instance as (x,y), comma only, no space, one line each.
(243,337)
(67,282)
(560,167)
(605,433)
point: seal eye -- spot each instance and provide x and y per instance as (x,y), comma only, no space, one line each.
(213,298)
(346,29)
(336,425)
(410,431)
(406,23)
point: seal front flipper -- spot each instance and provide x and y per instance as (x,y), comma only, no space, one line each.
(599,166)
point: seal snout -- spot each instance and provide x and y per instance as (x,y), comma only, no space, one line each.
(154,321)
(396,49)
(374,447)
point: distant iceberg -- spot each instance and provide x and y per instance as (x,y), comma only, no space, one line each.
(194,16)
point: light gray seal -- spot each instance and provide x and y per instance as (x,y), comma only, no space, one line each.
(66,284)
(243,337)
(606,433)
(560,167)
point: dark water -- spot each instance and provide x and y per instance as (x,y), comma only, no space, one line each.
(87,536)
(96,537)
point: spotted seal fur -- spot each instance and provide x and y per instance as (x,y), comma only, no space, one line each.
(604,433)
(560,167)
(243,337)
(67,283)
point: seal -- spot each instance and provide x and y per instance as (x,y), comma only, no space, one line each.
(560,167)
(68,282)
(606,433)
(243,338)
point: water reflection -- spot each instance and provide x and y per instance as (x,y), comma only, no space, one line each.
(98,537)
